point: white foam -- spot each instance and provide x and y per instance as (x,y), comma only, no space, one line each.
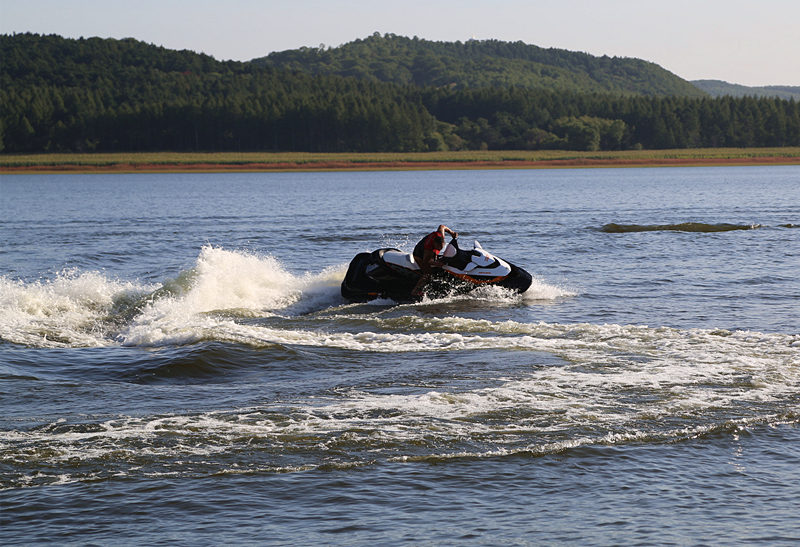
(616,384)
(693,370)
(539,291)
(227,280)
(225,283)
(86,309)
(685,371)
(70,310)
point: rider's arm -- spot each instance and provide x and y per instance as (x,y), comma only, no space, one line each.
(443,229)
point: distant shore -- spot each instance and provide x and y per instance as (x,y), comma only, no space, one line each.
(164,162)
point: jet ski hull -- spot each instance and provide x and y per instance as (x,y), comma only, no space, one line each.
(390,273)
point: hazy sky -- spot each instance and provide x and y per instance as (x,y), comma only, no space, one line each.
(746,42)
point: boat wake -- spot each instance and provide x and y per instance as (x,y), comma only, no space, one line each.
(576,387)
(227,296)
(467,386)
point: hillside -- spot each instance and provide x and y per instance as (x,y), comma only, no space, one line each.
(718,88)
(59,94)
(105,95)
(33,59)
(485,63)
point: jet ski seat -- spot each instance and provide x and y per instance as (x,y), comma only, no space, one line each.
(399,258)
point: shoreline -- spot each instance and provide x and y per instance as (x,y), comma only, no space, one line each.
(207,163)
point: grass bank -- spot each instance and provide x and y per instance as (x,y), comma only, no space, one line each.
(299,161)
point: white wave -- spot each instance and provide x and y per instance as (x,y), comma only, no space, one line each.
(227,282)
(539,291)
(616,385)
(691,370)
(70,310)
(89,309)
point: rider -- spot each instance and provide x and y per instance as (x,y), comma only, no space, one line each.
(426,252)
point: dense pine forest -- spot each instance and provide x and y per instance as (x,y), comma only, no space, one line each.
(95,94)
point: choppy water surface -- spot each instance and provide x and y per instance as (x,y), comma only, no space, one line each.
(174,350)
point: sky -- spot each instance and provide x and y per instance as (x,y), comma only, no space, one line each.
(751,42)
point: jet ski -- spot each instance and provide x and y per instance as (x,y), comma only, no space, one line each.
(392,273)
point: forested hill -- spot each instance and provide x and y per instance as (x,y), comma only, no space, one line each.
(59,94)
(56,61)
(484,63)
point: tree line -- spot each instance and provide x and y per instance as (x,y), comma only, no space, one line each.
(95,94)
(517,118)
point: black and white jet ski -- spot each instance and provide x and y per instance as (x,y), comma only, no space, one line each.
(391,273)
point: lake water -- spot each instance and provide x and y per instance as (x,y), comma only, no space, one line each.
(177,366)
